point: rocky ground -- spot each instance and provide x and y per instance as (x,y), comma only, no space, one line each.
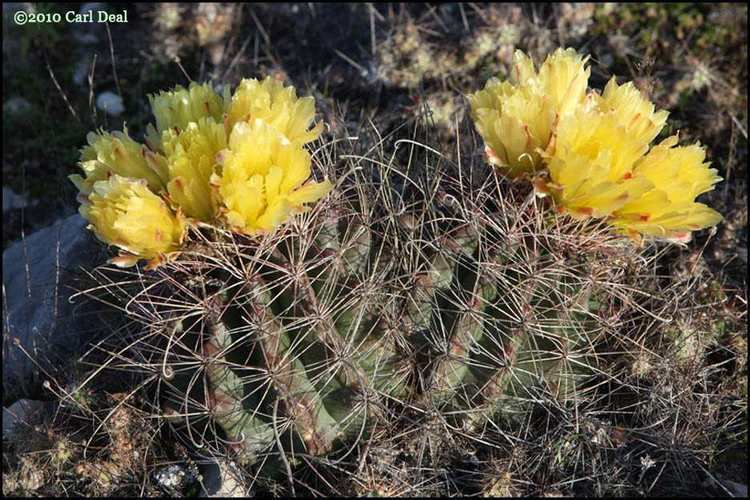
(383,63)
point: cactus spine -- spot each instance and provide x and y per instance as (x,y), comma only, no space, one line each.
(428,294)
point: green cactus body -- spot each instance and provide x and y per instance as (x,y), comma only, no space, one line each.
(466,333)
(304,339)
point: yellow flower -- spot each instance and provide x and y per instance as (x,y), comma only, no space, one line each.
(517,119)
(594,147)
(125,213)
(117,154)
(191,156)
(636,113)
(591,164)
(563,78)
(515,123)
(275,104)
(181,106)
(679,175)
(262,176)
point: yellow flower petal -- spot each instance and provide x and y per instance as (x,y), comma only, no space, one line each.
(515,123)
(179,107)
(125,213)
(636,113)
(260,179)
(563,78)
(116,153)
(669,210)
(678,171)
(309,193)
(191,156)
(278,106)
(517,118)
(591,163)
(278,212)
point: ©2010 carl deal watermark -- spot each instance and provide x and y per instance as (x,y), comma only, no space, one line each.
(21,17)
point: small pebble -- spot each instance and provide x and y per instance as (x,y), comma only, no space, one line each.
(175,479)
(16,105)
(110,103)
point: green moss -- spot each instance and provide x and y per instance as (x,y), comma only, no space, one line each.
(654,26)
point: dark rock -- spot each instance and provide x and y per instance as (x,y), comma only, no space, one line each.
(13,201)
(44,330)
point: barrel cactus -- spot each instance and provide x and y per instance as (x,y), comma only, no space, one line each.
(291,317)
(424,296)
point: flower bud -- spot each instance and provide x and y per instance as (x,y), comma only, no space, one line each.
(125,213)
(276,105)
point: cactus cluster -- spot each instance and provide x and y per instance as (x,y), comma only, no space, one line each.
(416,285)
